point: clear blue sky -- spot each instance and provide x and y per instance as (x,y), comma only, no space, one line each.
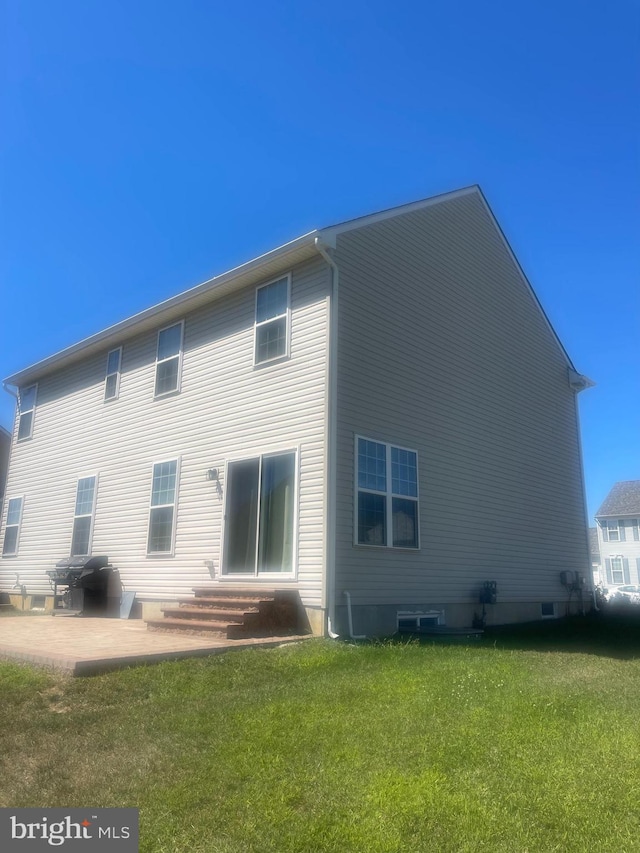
(146,146)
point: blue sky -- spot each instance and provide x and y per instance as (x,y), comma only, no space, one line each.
(147,146)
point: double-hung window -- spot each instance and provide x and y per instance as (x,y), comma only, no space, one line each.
(83,517)
(613,531)
(112,379)
(387,495)
(162,513)
(259,515)
(12,527)
(272,320)
(617,570)
(26,408)
(169,359)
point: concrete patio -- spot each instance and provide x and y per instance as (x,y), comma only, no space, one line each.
(86,646)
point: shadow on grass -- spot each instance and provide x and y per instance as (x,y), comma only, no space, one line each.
(610,633)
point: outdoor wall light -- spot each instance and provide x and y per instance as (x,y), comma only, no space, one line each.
(212,474)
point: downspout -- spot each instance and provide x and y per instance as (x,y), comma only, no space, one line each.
(580,383)
(351,634)
(332,396)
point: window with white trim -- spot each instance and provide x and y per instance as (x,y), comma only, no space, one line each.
(162,512)
(112,378)
(272,320)
(83,517)
(617,570)
(387,495)
(613,530)
(260,514)
(12,527)
(26,407)
(169,359)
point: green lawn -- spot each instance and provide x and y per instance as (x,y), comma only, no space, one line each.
(523,742)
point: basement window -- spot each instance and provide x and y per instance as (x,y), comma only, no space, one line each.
(548,610)
(408,620)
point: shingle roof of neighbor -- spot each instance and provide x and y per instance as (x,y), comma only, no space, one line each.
(623,499)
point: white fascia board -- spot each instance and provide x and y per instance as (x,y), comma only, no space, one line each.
(116,333)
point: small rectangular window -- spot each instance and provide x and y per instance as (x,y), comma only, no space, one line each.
(26,407)
(12,527)
(83,517)
(387,495)
(613,530)
(112,378)
(163,506)
(547,609)
(169,359)
(272,320)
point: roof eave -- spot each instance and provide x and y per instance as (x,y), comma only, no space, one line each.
(236,277)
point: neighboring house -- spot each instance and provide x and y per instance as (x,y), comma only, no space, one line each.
(378,412)
(594,553)
(619,539)
(5,445)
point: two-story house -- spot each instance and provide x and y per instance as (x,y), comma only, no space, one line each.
(377,415)
(618,520)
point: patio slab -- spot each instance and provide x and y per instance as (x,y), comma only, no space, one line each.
(86,646)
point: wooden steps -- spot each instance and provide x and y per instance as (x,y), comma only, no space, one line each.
(235,613)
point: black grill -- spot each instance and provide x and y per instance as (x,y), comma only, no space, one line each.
(92,586)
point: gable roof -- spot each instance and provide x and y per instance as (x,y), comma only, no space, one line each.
(623,499)
(258,269)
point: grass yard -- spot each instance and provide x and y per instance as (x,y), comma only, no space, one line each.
(529,741)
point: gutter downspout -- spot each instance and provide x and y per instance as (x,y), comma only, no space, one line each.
(352,636)
(580,383)
(332,396)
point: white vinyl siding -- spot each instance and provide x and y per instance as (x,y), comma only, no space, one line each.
(112,378)
(169,359)
(162,512)
(26,409)
(443,349)
(387,495)
(12,527)
(272,320)
(83,517)
(226,409)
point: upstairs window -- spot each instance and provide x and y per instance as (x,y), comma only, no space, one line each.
(613,531)
(163,505)
(12,527)
(168,359)
(272,320)
(112,379)
(83,517)
(26,408)
(387,495)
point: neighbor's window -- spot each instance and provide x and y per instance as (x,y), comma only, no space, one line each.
(547,609)
(12,527)
(617,570)
(26,408)
(163,507)
(272,320)
(613,531)
(387,495)
(259,514)
(112,379)
(83,518)
(168,359)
